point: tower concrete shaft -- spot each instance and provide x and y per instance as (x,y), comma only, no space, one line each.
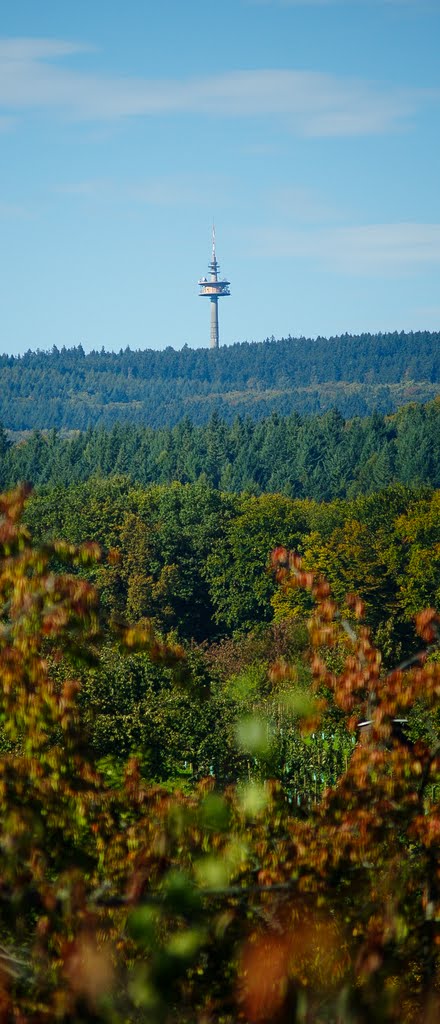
(214,343)
(214,289)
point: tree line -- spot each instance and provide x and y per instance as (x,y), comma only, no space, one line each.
(319,457)
(67,388)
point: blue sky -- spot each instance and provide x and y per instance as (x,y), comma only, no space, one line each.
(309,129)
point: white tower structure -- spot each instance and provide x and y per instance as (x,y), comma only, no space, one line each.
(214,289)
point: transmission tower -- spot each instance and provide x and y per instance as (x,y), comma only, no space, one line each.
(214,289)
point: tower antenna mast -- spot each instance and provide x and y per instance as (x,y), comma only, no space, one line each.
(214,289)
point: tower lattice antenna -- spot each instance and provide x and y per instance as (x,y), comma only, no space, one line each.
(214,290)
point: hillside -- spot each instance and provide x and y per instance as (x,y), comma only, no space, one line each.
(355,374)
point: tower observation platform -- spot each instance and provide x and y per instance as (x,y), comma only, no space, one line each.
(214,289)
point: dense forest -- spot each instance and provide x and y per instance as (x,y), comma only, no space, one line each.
(192,828)
(220,688)
(195,561)
(320,457)
(357,374)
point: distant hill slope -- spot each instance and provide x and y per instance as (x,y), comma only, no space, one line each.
(356,374)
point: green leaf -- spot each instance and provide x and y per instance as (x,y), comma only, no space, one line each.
(215,813)
(186,944)
(142,926)
(253,799)
(181,895)
(212,872)
(253,735)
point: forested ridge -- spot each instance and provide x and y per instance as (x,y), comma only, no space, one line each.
(319,457)
(69,389)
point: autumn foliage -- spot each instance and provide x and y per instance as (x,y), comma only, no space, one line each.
(136,903)
(57,817)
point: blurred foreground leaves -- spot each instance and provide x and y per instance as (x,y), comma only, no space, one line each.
(121,901)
